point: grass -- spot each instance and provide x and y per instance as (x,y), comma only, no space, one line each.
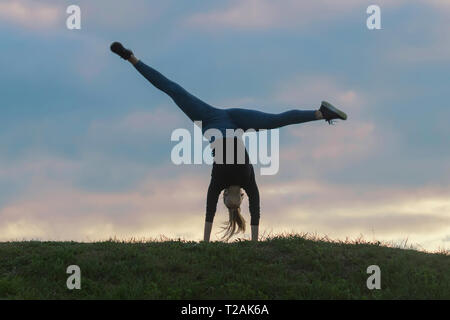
(280,267)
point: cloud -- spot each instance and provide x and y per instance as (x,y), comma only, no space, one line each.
(152,122)
(435,47)
(45,14)
(266,14)
(57,210)
(420,214)
(322,146)
(141,135)
(31,14)
(438,4)
(52,208)
(113,153)
(121,15)
(311,90)
(368,198)
(424,38)
(243,14)
(331,148)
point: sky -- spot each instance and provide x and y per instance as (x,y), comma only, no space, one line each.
(85,140)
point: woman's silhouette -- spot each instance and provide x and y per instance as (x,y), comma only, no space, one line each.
(234,177)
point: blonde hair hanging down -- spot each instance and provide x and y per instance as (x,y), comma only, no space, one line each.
(236,221)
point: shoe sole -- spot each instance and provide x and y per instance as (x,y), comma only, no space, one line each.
(342,115)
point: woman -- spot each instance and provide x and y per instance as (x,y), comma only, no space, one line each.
(228,177)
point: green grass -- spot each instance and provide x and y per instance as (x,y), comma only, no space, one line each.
(281,267)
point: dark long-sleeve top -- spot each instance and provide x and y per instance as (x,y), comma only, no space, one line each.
(225,175)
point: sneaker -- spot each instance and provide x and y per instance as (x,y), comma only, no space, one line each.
(118,49)
(329,112)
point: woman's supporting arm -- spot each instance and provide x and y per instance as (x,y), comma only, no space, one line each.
(253,199)
(214,190)
(207,233)
(255,230)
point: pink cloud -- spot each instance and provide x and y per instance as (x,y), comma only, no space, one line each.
(242,14)
(266,14)
(55,210)
(317,144)
(158,118)
(121,15)
(421,214)
(350,141)
(31,14)
(58,211)
(151,121)
(309,91)
(47,14)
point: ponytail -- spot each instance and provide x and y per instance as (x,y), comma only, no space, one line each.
(236,220)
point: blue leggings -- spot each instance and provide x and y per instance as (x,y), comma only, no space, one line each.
(211,117)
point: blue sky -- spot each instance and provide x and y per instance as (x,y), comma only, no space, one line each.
(85,140)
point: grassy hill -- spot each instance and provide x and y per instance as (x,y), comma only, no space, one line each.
(283,267)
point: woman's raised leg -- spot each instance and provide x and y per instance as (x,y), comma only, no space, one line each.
(252,119)
(193,107)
